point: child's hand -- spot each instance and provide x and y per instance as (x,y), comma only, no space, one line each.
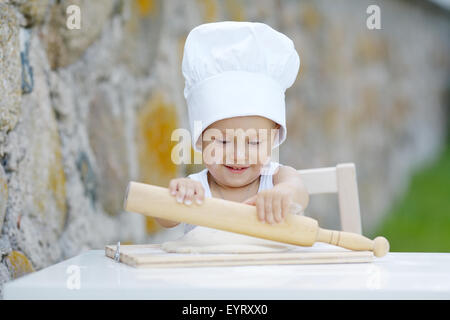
(274,204)
(187,190)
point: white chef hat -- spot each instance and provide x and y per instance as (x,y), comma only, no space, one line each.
(234,68)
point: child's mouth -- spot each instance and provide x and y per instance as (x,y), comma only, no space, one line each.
(236,169)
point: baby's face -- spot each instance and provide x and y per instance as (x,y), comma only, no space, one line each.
(245,142)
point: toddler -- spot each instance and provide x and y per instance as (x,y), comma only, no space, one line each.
(236,75)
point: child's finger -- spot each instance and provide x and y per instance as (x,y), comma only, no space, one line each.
(276,208)
(181,192)
(173,186)
(285,206)
(189,197)
(199,194)
(268,209)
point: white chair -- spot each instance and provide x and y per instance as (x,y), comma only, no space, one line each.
(341,180)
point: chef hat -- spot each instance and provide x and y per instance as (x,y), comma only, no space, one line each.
(234,69)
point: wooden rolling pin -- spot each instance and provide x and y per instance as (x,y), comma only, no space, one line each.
(241,218)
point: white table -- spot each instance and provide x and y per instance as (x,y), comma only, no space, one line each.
(395,276)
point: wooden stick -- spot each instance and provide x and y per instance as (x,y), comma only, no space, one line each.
(241,218)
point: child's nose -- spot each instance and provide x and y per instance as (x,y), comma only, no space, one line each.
(240,155)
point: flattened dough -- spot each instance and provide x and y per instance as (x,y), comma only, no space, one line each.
(208,240)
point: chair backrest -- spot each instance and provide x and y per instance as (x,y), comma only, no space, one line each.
(341,180)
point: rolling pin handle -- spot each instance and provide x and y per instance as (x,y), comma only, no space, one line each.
(354,241)
(380,246)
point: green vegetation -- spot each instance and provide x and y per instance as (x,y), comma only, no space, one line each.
(420,221)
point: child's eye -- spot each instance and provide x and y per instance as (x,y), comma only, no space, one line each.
(226,141)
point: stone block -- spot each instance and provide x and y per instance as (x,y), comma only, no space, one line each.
(63,45)
(142,32)
(40,172)
(3,195)
(88,177)
(107,139)
(18,264)
(27,69)
(209,9)
(310,16)
(157,119)
(33,10)
(4,277)
(10,70)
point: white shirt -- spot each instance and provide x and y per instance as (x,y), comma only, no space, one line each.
(266,182)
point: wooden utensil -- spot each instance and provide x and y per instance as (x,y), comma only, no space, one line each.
(241,218)
(152,256)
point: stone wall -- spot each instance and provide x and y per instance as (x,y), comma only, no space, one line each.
(82,112)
